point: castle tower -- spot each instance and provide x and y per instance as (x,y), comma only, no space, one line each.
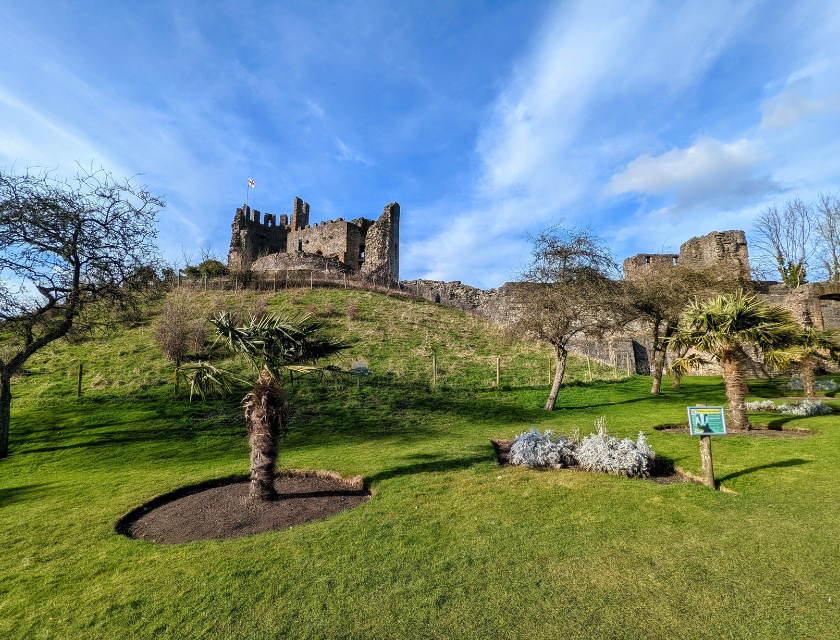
(300,215)
(382,253)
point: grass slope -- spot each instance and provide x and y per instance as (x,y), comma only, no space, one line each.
(451,545)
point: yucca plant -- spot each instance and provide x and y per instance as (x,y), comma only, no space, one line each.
(722,327)
(272,345)
(813,347)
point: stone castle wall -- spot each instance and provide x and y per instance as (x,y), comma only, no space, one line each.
(816,304)
(365,246)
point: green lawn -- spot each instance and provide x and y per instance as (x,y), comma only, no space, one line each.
(450,545)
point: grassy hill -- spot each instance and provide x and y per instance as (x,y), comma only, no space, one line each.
(450,545)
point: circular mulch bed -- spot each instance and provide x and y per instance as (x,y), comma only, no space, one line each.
(662,473)
(757,431)
(221,508)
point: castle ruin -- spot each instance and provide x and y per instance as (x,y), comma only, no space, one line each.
(367,247)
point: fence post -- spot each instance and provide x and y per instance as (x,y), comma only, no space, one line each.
(311,278)
(345,280)
(628,365)
(79,387)
(615,366)
(498,372)
(434,370)
(205,283)
(589,366)
(549,370)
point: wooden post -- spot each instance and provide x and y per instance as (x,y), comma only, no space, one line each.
(179,277)
(275,282)
(628,365)
(706,461)
(498,372)
(615,366)
(79,387)
(345,279)
(177,366)
(311,278)
(434,370)
(205,283)
(589,366)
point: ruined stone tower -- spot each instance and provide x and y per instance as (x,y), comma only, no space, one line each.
(361,245)
(725,251)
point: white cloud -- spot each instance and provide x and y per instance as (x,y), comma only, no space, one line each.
(707,165)
(790,106)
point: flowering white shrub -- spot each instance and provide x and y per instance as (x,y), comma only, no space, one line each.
(605,454)
(761,405)
(535,449)
(820,385)
(806,408)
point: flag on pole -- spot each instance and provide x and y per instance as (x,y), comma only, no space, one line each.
(250,183)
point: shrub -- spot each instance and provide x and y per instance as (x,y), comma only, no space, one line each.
(535,449)
(795,383)
(806,408)
(603,453)
(762,405)
(352,310)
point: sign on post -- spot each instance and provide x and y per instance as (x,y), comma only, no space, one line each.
(706,421)
(359,366)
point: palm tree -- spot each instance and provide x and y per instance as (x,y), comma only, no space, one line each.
(813,347)
(272,345)
(722,327)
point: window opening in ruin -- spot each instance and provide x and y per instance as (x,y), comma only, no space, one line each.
(674,260)
(300,245)
(647,259)
(319,253)
(361,251)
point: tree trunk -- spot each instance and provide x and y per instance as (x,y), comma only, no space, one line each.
(5,413)
(677,380)
(658,366)
(559,371)
(809,387)
(266,410)
(733,377)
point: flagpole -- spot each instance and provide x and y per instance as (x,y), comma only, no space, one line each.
(247,190)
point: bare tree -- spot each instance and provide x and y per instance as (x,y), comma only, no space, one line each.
(785,239)
(658,296)
(564,293)
(828,229)
(70,253)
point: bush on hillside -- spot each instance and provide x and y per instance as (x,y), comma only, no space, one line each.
(603,453)
(535,449)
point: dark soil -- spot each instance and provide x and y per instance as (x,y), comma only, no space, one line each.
(221,508)
(663,472)
(757,431)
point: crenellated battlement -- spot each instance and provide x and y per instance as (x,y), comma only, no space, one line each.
(362,245)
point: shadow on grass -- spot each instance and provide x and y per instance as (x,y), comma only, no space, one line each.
(433,464)
(12,495)
(793,462)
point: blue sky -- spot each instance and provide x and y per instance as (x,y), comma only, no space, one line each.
(653,121)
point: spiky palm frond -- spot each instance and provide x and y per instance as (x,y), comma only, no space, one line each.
(206,380)
(276,342)
(815,342)
(688,363)
(728,322)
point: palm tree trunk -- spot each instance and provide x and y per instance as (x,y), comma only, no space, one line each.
(677,380)
(266,411)
(559,371)
(733,377)
(809,366)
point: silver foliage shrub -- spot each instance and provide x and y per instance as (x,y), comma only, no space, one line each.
(603,453)
(535,449)
(806,408)
(761,405)
(820,385)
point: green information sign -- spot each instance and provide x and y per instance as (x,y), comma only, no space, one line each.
(706,421)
